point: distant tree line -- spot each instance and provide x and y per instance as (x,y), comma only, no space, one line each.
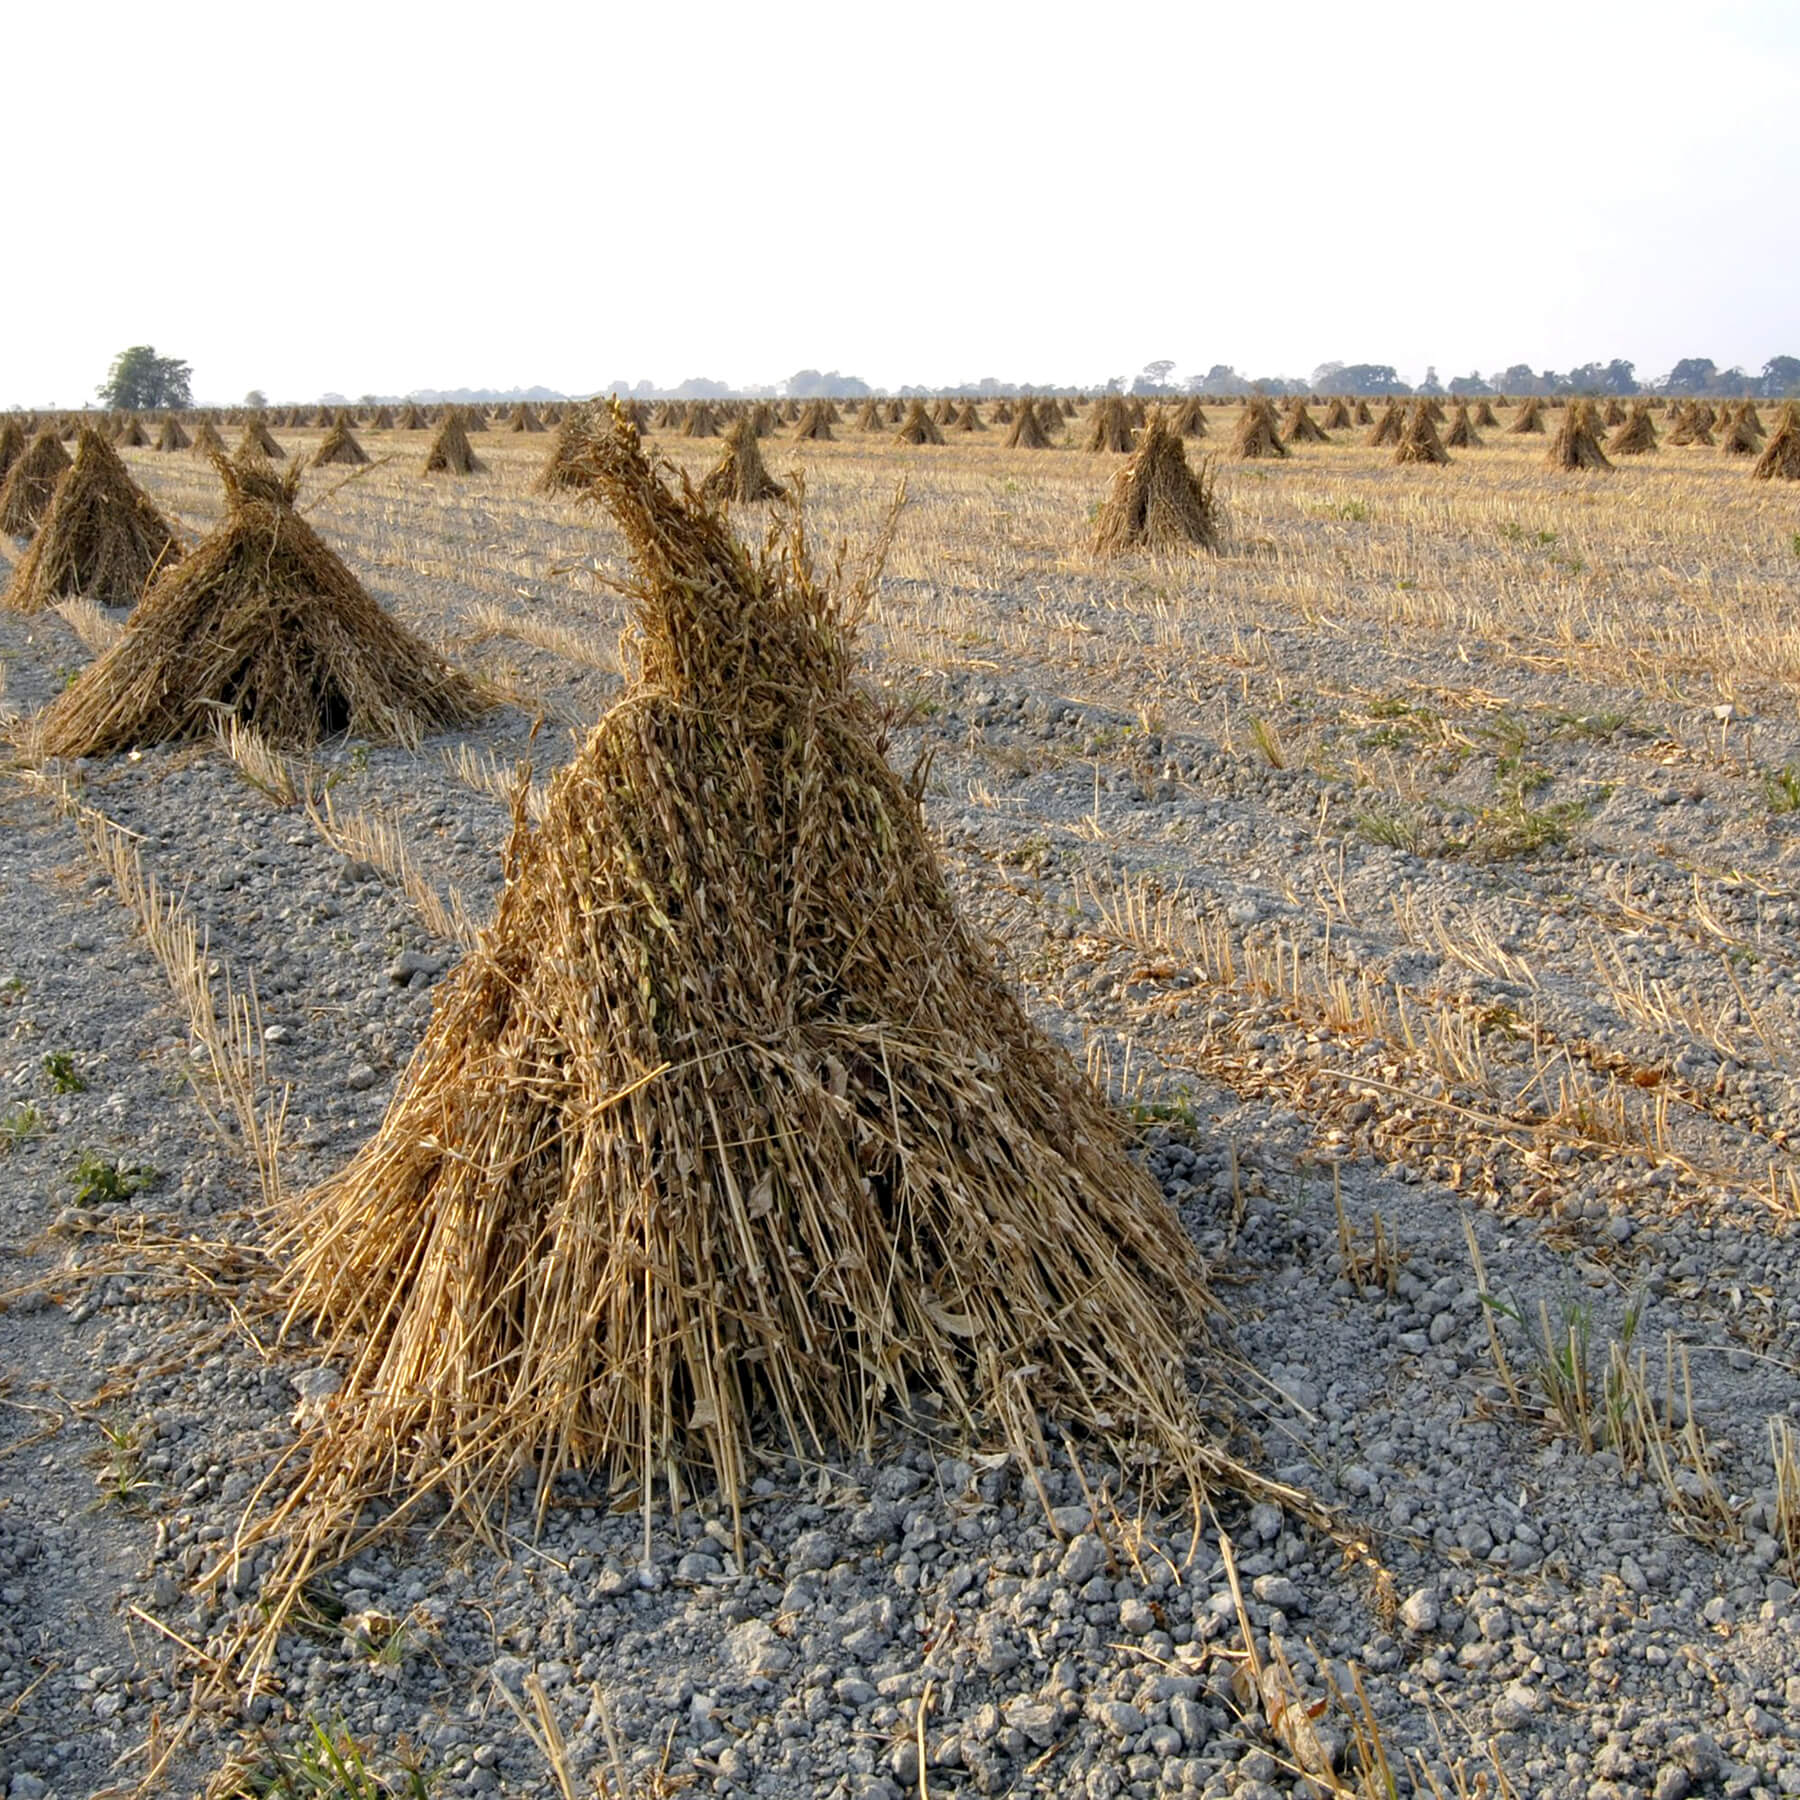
(1779,378)
(142,381)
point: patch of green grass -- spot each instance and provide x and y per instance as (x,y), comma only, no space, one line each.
(120,1475)
(1179,1110)
(65,1078)
(1600,726)
(327,1765)
(1395,830)
(1267,740)
(1781,789)
(18,1123)
(1516,829)
(100,1182)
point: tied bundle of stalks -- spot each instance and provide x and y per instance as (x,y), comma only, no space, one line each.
(832,415)
(451,453)
(1390,427)
(102,537)
(412,419)
(12,444)
(969,418)
(895,412)
(1484,416)
(1363,415)
(1753,419)
(943,410)
(1419,442)
(1157,501)
(1338,416)
(524,419)
(1528,419)
(263,623)
(1003,412)
(1613,416)
(1027,431)
(742,477)
(1575,445)
(1737,439)
(1433,406)
(340,446)
(1109,432)
(30,482)
(1301,427)
(1692,426)
(918,427)
(131,434)
(1462,434)
(762,418)
(700,422)
(727,1135)
(1636,436)
(1189,419)
(870,419)
(563,466)
(171,436)
(1256,435)
(813,423)
(66,429)
(256,441)
(322,419)
(474,419)
(381,420)
(1780,460)
(207,441)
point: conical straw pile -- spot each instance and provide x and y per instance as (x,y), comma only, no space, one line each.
(742,477)
(102,537)
(918,427)
(1157,501)
(264,624)
(726,1137)
(25,493)
(1575,445)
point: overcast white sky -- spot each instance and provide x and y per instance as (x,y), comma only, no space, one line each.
(375,197)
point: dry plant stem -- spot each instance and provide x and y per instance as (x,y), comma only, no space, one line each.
(1485,1294)
(380,842)
(227,1024)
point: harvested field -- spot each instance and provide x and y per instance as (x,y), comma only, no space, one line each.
(1420,872)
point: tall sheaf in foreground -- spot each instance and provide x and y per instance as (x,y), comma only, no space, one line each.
(727,1136)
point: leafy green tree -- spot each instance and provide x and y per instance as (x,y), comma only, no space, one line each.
(1370,378)
(256,398)
(1781,376)
(141,381)
(1615,377)
(1692,375)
